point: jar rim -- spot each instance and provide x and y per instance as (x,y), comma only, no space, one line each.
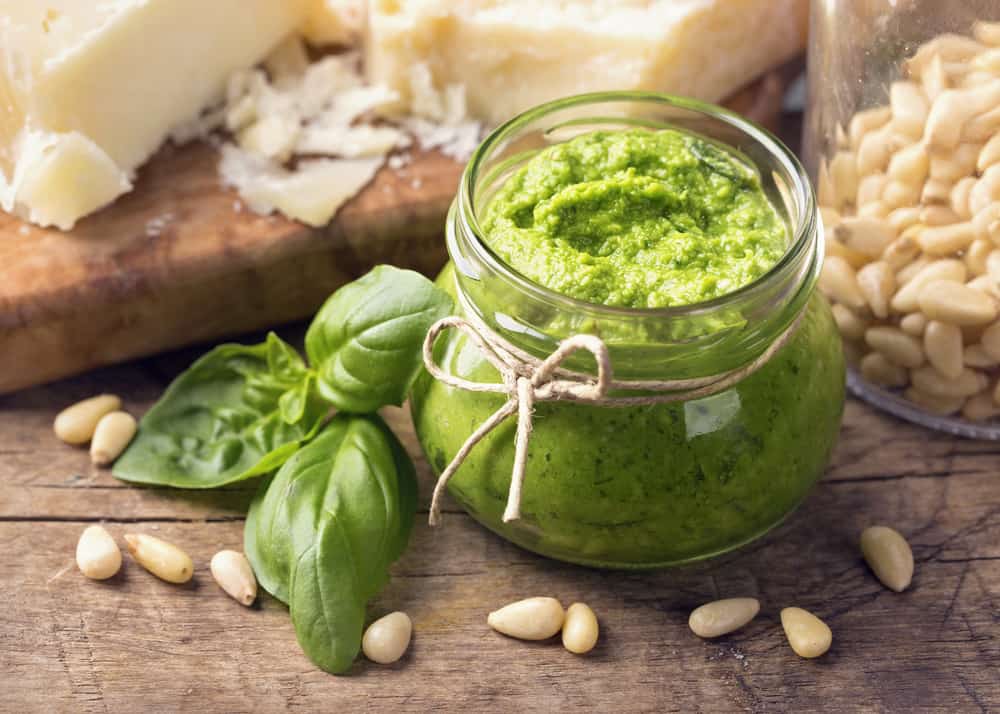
(801,190)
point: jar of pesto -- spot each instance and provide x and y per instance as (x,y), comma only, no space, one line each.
(685,238)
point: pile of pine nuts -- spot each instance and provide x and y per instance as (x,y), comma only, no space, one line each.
(910,202)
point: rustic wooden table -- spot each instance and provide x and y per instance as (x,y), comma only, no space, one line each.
(135,643)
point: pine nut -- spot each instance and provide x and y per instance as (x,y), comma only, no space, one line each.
(536,618)
(952,109)
(232,572)
(826,194)
(898,194)
(986,190)
(875,368)
(901,252)
(870,188)
(889,556)
(982,127)
(987,32)
(956,303)
(929,381)
(877,283)
(902,218)
(911,270)
(721,617)
(938,215)
(944,406)
(870,236)
(934,78)
(989,155)
(850,324)
(387,639)
(865,122)
(914,324)
(97,554)
(975,356)
(844,178)
(164,560)
(839,282)
(944,240)
(875,210)
(944,349)
(895,345)
(986,223)
(909,108)
(910,164)
(993,266)
(976,256)
(113,433)
(955,165)
(981,407)
(836,249)
(907,299)
(990,341)
(935,191)
(874,151)
(580,630)
(808,635)
(959,197)
(75,424)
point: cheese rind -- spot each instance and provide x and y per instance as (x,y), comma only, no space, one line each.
(511,55)
(120,74)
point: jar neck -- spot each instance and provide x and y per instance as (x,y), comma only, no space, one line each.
(668,343)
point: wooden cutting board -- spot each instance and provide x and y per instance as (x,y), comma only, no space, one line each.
(180,260)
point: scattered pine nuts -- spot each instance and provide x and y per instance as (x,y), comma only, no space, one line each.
(164,560)
(113,433)
(580,629)
(232,572)
(76,424)
(97,554)
(808,635)
(721,617)
(388,638)
(889,556)
(537,618)
(913,258)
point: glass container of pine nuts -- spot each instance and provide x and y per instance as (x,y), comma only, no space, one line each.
(902,138)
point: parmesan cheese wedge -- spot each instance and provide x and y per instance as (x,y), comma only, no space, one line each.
(513,54)
(89,90)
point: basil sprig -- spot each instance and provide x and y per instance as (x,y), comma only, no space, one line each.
(365,342)
(238,412)
(322,531)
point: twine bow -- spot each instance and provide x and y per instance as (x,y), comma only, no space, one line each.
(527,380)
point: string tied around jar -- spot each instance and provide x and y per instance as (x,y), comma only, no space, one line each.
(527,380)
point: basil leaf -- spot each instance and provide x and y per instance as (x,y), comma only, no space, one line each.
(365,342)
(327,607)
(239,411)
(322,535)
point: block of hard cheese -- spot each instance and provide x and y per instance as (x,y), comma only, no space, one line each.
(89,90)
(513,54)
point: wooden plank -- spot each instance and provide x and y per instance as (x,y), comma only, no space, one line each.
(180,261)
(68,644)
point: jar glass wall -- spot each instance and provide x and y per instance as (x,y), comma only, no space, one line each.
(657,484)
(903,139)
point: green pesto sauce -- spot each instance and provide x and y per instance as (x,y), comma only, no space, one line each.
(636,219)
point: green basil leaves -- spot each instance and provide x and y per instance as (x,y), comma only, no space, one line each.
(237,412)
(323,533)
(365,342)
(323,530)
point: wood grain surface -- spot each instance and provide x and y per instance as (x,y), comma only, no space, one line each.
(180,260)
(136,644)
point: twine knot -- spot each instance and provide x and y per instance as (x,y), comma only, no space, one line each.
(526,380)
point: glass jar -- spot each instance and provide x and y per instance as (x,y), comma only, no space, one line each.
(653,485)
(902,136)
